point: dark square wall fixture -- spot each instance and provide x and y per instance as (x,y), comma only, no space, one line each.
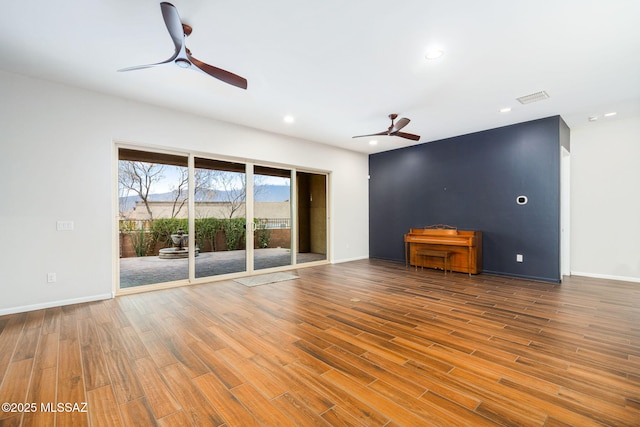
(475,182)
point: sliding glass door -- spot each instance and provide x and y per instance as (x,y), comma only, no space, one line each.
(272,217)
(220,200)
(153,218)
(187,218)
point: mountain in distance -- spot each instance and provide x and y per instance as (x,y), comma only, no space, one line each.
(272,193)
(263,193)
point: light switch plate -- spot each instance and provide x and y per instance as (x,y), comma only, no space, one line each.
(64,226)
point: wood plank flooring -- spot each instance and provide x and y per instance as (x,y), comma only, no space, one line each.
(365,343)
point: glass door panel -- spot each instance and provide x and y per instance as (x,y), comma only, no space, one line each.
(153,217)
(220,199)
(272,217)
(311,217)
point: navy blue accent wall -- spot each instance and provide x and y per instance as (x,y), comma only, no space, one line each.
(472,182)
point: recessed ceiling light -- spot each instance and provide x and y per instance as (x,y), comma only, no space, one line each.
(505,110)
(289,119)
(611,114)
(373,142)
(593,118)
(434,53)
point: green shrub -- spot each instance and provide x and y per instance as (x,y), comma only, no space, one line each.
(206,229)
(234,231)
(141,242)
(263,233)
(138,234)
(163,228)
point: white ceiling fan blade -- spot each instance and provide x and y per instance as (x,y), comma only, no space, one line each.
(174,25)
(140,67)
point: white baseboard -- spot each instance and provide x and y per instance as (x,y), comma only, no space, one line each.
(49,304)
(606,276)
(340,261)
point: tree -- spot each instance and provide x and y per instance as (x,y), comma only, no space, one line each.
(203,184)
(180,193)
(139,177)
(234,189)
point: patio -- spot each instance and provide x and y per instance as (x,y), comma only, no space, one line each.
(138,271)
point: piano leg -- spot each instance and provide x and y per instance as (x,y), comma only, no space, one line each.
(406,252)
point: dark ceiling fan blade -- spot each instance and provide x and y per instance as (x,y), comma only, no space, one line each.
(394,129)
(406,135)
(218,73)
(372,134)
(173,23)
(400,124)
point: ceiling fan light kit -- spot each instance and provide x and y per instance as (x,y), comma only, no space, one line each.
(182,56)
(182,63)
(434,53)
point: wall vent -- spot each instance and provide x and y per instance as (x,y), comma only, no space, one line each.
(533,97)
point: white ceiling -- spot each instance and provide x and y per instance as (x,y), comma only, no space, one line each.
(340,67)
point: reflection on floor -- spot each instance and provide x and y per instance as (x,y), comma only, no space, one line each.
(151,269)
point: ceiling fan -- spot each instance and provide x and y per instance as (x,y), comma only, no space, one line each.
(394,129)
(182,56)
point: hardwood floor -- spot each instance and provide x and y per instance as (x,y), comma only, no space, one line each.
(360,343)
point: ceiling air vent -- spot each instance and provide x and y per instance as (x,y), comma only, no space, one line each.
(533,97)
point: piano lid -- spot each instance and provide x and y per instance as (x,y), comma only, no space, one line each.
(439,236)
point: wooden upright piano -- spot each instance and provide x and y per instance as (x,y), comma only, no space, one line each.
(464,246)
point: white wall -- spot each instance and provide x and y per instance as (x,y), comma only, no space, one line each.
(605,199)
(56,163)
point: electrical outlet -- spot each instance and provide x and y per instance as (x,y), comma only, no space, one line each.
(51,277)
(519,258)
